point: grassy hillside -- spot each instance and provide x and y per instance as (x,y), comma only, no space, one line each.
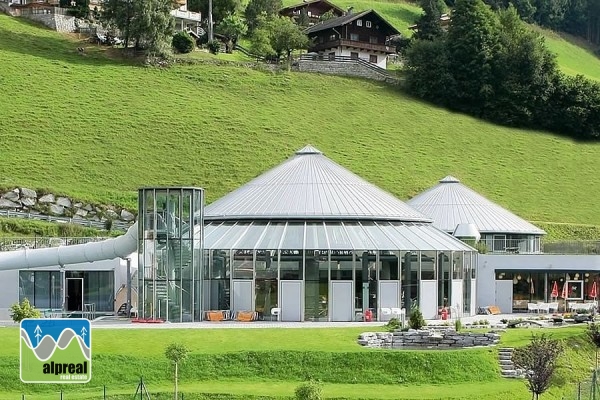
(97,129)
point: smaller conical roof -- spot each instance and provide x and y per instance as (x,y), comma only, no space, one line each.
(450,203)
(311,186)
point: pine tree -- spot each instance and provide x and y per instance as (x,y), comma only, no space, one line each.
(428,25)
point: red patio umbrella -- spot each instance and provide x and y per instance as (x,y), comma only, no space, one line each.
(565,291)
(594,291)
(554,290)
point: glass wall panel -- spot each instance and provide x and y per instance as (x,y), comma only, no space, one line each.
(338,238)
(358,237)
(250,239)
(272,236)
(42,289)
(265,285)
(537,286)
(376,233)
(410,280)
(428,265)
(341,265)
(365,282)
(457,265)
(444,278)
(291,265)
(388,266)
(243,264)
(26,286)
(316,283)
(467,283)
(220,284)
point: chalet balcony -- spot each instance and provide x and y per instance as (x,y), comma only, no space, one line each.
(527,246)
(353,44)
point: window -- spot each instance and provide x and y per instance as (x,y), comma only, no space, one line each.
(354,55)
(331,56)
(368,24)
(359,22)
(354,36)
(332,37)
(373,59)
(373,39)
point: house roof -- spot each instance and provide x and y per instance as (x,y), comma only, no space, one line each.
(346,19)
(310,186)
(303,4)
(450,203)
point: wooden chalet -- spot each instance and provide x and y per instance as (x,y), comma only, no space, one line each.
(362,35)
(313,9)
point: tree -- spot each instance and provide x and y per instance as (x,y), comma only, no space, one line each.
(257,8)
(19,312)
(472,43)
(538,359)
(221,9)
(593,333)
(285,37)
(326,16)
(260,43)
(148,22)
(176,353)
(428,25)
(303,19)
(428,72)
(232,27)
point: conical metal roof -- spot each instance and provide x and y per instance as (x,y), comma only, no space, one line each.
(450,203)
(310,186)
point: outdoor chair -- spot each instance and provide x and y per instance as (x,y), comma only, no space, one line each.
(532,307)
(544,307)
(385,314)
(275,312)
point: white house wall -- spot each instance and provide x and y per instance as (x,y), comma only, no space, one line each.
(489,263)
(9,280)
(346,52)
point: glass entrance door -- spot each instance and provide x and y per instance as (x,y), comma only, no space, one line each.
(74,295)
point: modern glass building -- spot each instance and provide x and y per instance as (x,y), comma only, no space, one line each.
(170,229)
(319,243)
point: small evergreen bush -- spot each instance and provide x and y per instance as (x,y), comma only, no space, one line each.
(309,391)
(416,320)
(392,325)
(183,42)
(214,46)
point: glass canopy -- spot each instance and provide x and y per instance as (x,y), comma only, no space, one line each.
(351,235)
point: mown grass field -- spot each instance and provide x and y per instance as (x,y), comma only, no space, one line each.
(241,363)
(97,129)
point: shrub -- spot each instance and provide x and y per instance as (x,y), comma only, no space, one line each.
(309,391)
(183,42)
(24,310)
(214,46)
(416,320)
(457,325)
(392,325)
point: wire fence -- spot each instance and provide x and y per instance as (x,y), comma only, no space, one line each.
(586,390)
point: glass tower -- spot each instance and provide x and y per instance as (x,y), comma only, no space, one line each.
(170,263)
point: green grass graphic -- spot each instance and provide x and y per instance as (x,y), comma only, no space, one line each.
(32,369)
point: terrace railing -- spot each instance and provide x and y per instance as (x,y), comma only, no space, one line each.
(529,246)
(11,243)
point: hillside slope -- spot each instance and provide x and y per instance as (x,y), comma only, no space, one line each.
(97,130)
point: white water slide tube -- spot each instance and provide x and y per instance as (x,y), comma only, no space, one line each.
(108,249)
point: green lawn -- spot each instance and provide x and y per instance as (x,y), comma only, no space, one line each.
(98,129)
(240,363)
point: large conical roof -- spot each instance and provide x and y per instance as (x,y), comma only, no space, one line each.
(450,203)
(310,186)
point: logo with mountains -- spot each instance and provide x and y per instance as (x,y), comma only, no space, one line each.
(56,350)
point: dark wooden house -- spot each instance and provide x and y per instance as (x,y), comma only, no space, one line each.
(363,35)
(313,10)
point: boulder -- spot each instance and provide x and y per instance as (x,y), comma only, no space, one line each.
(88,207)
(81,212)
(28,201)
(13,195)
(47,198)
(28,193)
(77,205)
(64,201)
(127,216)
(5,203)
(111,214)
(56,209)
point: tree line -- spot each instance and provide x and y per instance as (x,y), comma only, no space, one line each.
(489,64)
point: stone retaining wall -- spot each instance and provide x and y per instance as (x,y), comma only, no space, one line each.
(58,22)
(340,68)
(27,200)
(427,339)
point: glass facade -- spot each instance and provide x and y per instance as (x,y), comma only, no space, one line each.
(43,290)
(171,228)
(537,286)
(321,254)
